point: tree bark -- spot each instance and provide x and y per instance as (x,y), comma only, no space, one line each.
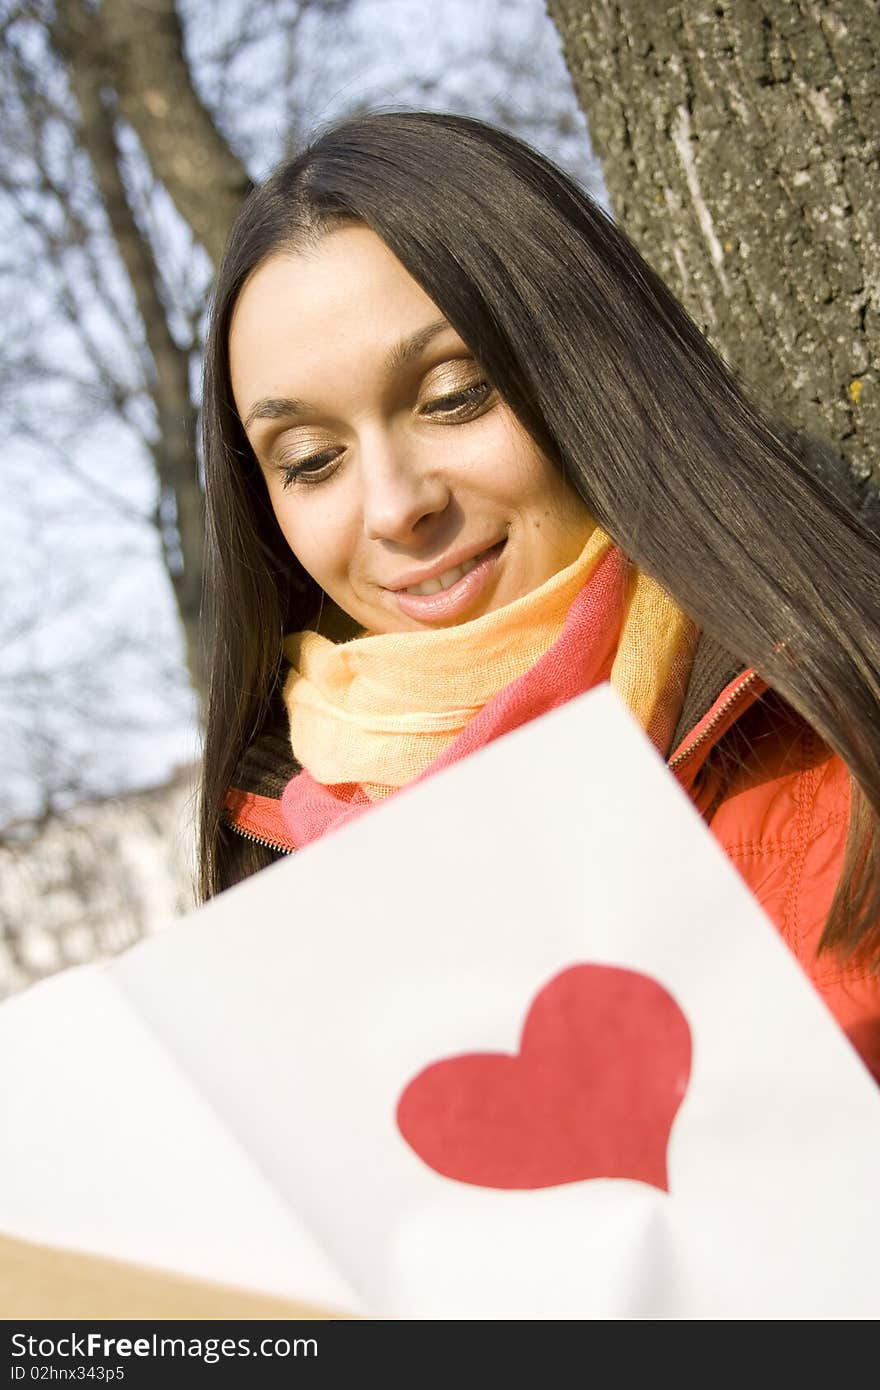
(740,144)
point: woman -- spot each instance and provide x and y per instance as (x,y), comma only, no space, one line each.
(466,450)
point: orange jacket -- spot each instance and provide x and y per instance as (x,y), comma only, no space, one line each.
(781,819)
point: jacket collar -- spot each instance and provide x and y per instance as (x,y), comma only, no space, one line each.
(712,671)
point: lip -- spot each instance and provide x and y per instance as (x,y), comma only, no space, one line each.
(411,578)
(453,602)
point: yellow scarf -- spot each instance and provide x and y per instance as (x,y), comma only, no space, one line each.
(378,710)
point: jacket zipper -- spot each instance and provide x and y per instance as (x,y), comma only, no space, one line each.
(258,839)
(719,715)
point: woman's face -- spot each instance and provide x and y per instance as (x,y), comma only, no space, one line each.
(402,482)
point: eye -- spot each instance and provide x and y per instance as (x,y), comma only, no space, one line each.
(459,404)
(313,469)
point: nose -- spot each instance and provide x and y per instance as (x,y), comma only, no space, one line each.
(400,494)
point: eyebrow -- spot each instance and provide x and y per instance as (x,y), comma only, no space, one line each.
(279,407)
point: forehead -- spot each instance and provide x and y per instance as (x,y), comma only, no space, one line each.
(349,288)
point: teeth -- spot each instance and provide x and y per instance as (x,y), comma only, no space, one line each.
(430,586)
(444,581)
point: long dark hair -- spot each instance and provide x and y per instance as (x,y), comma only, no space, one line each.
(614,381)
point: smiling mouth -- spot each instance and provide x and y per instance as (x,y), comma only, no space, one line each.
(449,578)
(458,590)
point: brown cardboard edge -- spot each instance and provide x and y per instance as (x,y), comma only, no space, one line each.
(42,1282)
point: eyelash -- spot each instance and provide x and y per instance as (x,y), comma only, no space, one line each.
(465,398)
(455,403)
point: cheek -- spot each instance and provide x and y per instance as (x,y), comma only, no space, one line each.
(538,485)
(293,529)
(319,541)
(286,523)
(529,476)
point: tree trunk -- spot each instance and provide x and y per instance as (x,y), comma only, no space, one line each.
(179,514)
(740,145)
(140,48)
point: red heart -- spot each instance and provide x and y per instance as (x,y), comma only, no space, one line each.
(603,1066)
